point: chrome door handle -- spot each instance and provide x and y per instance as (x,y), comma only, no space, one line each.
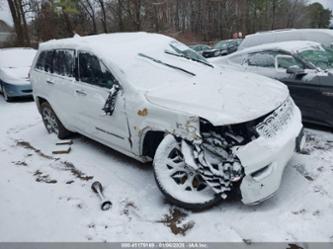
(329,94)
(81,92)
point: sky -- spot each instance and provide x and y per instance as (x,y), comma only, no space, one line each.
(5,13)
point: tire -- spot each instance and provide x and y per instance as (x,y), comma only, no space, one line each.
(52,122)
(180,184)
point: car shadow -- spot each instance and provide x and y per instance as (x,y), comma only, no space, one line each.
(18,99)
(118,156)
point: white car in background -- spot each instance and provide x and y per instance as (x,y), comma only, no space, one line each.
(322,36)
(208,131)
(15,64)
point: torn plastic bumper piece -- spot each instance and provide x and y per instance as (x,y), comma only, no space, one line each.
(265,159)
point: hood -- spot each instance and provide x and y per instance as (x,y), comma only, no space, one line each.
(223,98)
(16,75)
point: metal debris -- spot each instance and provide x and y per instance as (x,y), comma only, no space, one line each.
(65,142)
(97,188)
(62,150)
(110,103)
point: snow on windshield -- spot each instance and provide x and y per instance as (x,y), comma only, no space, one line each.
(13,58)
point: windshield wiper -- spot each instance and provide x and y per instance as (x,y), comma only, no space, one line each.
(189,58)
(166,64)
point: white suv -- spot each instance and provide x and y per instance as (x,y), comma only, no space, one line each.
(208,131)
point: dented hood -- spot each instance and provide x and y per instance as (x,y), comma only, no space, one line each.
(223,97)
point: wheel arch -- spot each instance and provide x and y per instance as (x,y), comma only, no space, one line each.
(39,101)
(150,142)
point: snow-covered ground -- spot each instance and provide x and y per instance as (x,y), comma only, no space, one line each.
(48,198)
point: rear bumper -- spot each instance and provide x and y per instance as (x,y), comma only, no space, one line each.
(17,90)
(265,159)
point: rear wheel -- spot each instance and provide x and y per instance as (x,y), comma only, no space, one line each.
(52,123)
(181,184)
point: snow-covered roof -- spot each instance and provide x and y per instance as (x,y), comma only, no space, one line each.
(289,46)
(120,47)
(121,52)
(327,31)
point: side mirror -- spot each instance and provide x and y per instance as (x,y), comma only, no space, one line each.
(296,70)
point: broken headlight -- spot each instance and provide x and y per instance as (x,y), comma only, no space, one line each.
(277,120)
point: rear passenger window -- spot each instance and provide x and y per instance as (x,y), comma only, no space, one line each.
(48,61)
(94,72)
(64,62)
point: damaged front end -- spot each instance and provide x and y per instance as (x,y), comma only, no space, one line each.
(212,154)
(251,155)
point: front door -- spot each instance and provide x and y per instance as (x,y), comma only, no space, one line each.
(101,103)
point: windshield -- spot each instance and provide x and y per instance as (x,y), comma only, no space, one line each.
(319,57)
(14,58)
(179,49)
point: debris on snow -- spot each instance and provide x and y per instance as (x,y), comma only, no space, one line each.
(175,221)
(41,177)
(28,146)
(62,150)
(97,188)
(65,142)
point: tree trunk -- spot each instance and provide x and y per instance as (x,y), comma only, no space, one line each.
(17,22)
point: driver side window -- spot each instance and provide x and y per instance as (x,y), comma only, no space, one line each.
(94,72)
(287,61)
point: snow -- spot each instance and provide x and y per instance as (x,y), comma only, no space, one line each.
(293,47)
(16,57)
(67,210)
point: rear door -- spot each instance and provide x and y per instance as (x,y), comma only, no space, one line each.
(101,104)
(63,85)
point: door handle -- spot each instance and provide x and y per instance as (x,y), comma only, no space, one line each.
(328,94)
(50,82)
(82,93)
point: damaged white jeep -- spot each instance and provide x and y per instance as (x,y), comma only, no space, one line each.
(208,131)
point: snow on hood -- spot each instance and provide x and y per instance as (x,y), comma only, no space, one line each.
(17,76)
(223,98)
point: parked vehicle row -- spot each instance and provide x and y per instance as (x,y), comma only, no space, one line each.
(210,127)
(221,48)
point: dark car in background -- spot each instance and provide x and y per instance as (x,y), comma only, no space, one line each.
(305,67)
(200,48)
(222,48)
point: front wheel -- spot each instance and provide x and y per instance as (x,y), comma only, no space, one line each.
(52,123)
(179,183)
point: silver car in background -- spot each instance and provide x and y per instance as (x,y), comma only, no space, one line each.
(15,64)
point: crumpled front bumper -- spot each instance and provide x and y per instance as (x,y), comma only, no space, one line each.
(265,159)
